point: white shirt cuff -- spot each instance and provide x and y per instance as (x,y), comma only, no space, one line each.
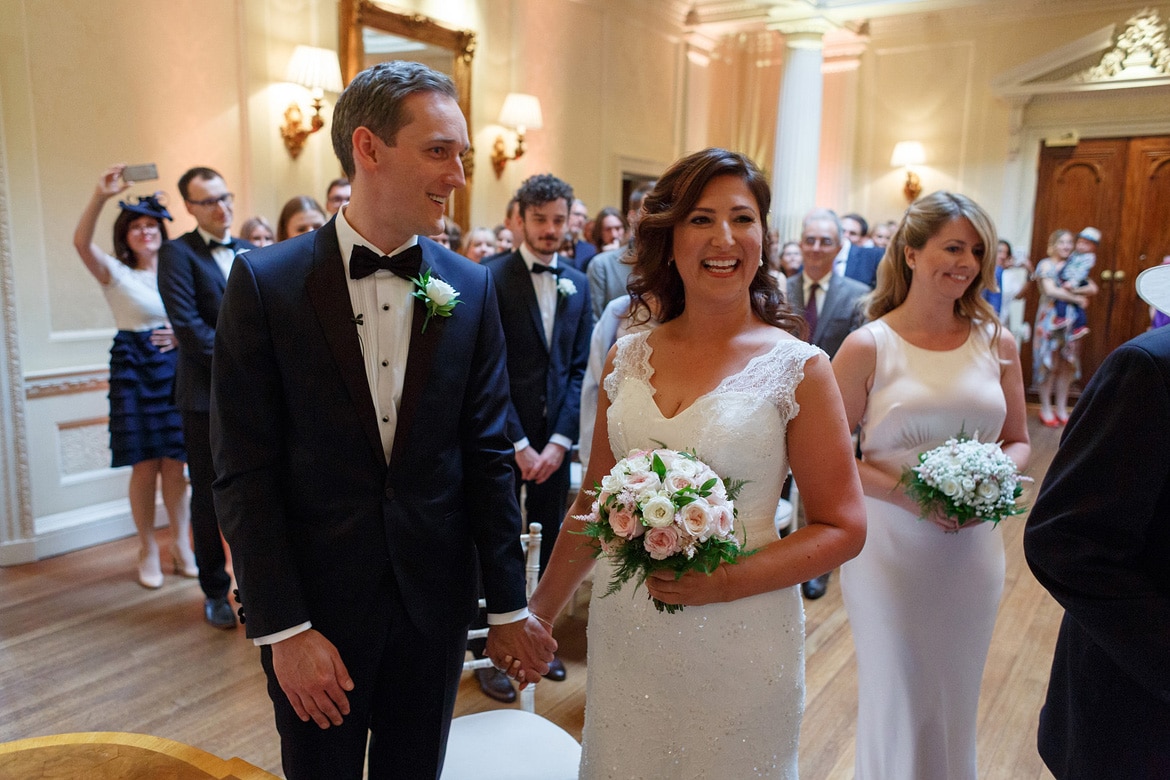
(564,441)
(280,636)
(508,617)
(520,445)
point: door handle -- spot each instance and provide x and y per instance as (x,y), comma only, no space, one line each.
(1107,275)
(1119,276)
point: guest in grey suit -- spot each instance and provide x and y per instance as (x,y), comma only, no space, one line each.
(831,305)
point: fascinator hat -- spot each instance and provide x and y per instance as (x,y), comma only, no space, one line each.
(148,206)
(1153,285)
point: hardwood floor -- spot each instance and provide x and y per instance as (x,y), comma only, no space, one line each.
(84,648)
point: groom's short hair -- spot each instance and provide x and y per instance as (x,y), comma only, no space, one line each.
(374,99)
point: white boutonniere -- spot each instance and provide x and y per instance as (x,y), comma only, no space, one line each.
(440,298)
(566,287)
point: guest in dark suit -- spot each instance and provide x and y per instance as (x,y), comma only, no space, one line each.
(360,441)
(831,306)
(583,250)
(862,264)
(192,273)
(1098,538)
(544,307)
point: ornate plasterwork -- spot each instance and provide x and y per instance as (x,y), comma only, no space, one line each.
(1141,52)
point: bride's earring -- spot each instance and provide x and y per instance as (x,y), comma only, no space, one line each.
(761,260)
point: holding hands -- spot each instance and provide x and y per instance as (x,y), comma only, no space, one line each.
(521,649)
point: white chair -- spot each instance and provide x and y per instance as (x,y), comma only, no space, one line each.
(509,744)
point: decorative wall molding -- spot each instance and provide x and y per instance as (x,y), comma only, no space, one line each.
(48,384)
(1141,52)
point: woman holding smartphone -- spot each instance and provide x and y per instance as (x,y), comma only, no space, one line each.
(145,427)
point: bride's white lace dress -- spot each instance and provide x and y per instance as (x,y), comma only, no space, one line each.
(718,690)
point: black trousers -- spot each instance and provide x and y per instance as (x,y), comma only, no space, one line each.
(405,682)
(209,553)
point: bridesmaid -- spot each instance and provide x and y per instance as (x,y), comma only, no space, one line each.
(923,594)
(145,429)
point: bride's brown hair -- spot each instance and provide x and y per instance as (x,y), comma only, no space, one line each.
(655,277)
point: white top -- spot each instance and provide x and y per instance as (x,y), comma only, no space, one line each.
(133,297)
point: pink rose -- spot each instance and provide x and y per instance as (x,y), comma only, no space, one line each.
(643,482)
(676,482)
(625,523)
(722,520)
(661,543)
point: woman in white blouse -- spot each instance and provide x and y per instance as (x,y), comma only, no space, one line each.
(145,428)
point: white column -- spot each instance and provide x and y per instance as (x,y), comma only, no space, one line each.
(798,130)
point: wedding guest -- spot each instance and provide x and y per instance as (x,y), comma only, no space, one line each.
(582,249)
(504,239)
(546,364)
(832,309)
(1056,359)
(881,233)
(299,215)
(146,430)
(855,229)
(337,195)
(922,596)
(359,496)
(1096,539)
(791,259)
(257,232)
(479,243)
(608,271)
(724,376)
(192,271)
(609,229)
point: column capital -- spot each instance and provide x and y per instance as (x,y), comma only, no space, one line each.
(805,33)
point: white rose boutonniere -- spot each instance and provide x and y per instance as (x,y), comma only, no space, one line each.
(440,298)
(566,287)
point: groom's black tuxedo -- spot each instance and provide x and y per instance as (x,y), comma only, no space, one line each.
(321,528)
(545,377)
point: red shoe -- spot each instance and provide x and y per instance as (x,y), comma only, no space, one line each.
(1049,422)
(1061,420)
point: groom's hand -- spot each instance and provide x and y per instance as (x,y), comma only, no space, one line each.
(312,676)
(523,649)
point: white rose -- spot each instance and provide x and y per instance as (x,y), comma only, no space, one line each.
(566,287)
(658,512)
(696,519)
(440,292)
(988,490)
(685,466)
(611,483)
(950,488)
(968,484)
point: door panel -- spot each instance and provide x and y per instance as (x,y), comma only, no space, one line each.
(1145,235)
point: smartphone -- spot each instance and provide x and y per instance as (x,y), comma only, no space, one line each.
(145,172)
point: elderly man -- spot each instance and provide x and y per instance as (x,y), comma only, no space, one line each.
(830,303)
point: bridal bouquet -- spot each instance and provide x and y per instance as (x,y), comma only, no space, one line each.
(663,509)
(966,479)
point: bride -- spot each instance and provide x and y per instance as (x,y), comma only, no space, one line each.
(717,689)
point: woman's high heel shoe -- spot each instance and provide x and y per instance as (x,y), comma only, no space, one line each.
(149,571)
(1049,422)
(184,564)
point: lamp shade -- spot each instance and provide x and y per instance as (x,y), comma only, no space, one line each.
(521,112)
(907,153)
(315,68)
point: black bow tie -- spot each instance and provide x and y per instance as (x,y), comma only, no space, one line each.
(364,261)
(213,244)
(539,268)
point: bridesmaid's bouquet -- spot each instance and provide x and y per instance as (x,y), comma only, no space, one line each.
(966,479)
(663,509)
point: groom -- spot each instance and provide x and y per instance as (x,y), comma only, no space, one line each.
(359,439)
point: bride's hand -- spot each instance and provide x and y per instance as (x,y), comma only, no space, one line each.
(692,589)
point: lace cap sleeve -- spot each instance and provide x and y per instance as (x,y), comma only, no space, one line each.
(630,361)
(776,375)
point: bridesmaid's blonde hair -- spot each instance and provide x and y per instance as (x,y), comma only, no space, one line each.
(922,220)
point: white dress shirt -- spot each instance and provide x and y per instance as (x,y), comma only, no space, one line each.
(224,256)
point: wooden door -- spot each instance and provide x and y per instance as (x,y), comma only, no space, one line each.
(1122,187)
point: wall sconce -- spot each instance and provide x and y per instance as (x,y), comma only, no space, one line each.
(317,70)
(906,154)
(520,112)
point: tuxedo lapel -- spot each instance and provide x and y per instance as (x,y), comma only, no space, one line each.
(423,347)
(207,263)
(520,283)
(327,290)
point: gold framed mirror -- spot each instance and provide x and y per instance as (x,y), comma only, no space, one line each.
(371,33)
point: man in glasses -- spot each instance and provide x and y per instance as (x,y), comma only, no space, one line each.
(192,274)
(830,303)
